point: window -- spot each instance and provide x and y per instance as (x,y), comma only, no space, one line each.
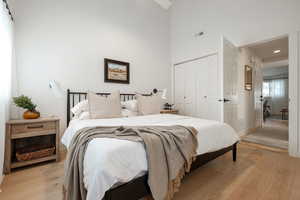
(266,89)
(277,88)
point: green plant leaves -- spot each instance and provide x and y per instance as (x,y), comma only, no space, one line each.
(24,102)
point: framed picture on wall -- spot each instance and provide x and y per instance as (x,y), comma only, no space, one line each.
(116,71)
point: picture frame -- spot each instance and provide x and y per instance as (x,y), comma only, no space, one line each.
(248,78)
(116,71)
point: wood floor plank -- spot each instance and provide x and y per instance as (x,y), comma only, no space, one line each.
(258,174)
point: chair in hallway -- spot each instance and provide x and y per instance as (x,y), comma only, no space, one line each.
(284,113)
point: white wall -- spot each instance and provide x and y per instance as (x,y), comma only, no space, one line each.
(242,22)
(68,40)
(6,81)
(246,99)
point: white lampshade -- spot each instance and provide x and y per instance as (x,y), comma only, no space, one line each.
(56,89)
(164,94)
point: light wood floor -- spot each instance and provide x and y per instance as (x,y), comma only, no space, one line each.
(258,174)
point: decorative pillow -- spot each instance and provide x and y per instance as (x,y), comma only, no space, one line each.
(104,107)
(148,105)
(130,105)
(128,113)
(84,115)
(124,113)
(82,106)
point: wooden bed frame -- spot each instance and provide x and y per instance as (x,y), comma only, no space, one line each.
(138,188)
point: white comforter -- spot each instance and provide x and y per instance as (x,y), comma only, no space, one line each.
(109,162)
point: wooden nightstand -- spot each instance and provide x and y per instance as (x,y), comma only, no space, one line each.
(169,112)
(27,136)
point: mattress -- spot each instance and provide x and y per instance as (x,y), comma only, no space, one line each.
(109,162)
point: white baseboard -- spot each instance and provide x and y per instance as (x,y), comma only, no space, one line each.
(295,154)
(243,133)
(266,141)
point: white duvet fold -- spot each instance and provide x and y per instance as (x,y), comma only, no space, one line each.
(109,162)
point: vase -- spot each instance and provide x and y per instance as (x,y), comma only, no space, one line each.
(31,114)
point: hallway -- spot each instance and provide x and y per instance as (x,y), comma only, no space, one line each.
(274,133)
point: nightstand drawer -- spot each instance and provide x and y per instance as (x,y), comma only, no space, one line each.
(33,127)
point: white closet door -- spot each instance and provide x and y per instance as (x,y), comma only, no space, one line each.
(197,88)
(201,88)
(179,88)
(213,89)
(208,88)
(190,89)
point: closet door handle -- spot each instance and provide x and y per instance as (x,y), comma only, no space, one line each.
(224,100)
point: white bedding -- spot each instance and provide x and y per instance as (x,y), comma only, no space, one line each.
(109,162)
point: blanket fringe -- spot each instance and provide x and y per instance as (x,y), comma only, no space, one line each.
(175,184)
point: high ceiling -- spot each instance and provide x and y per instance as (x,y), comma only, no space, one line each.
(166,4)
(266,50)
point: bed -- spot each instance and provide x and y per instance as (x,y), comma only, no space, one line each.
(115,169)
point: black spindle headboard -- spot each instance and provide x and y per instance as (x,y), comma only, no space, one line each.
(75,97)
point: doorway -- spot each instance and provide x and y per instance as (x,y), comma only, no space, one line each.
(271,94)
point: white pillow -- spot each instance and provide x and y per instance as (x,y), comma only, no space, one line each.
(130,105)
(148,105)
(84,116)
(104,107)
(82,106)
(124,113)
(128,113)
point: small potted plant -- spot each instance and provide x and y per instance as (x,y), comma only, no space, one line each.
(26,103)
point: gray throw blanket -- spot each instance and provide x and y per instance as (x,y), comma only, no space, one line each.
(170,151)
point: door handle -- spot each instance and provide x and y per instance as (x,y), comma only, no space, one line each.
(224,100)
